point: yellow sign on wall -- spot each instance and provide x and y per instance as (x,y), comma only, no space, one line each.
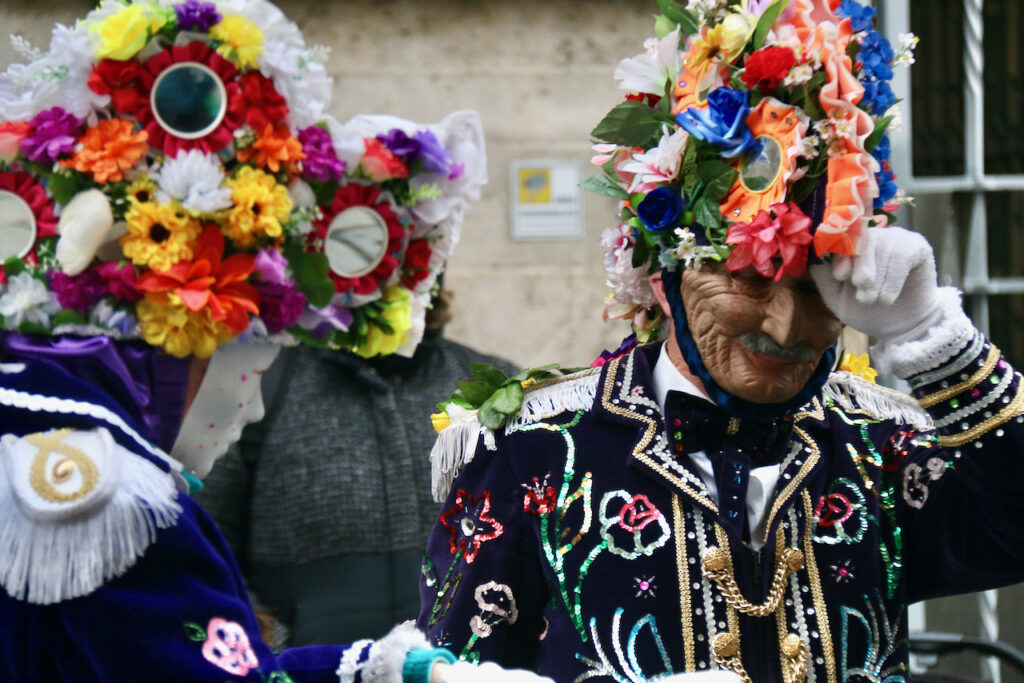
(534,185)
(546,201)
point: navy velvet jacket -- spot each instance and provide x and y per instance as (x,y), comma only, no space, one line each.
(583,543)
(110,572)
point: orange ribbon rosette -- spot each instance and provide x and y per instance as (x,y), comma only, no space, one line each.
(764,171)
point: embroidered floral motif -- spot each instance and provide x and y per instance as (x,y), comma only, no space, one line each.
(879,637)
(227,646)
(842,571)
(626,656)
(539,498)
(497,605)
(841,514)
(916,480)
(469,523)
(634,528)
(645,587)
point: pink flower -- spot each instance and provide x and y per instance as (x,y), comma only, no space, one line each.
(760,241)
(227,646)
(120,279)
(380,164)
(11,135)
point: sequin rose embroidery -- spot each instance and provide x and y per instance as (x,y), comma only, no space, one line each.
(470,524)
(227,646)
(841,514)
(632,528)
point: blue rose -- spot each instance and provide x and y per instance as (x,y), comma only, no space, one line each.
(723,123)
(660,209)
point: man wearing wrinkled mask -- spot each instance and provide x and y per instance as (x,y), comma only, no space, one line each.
(726,499)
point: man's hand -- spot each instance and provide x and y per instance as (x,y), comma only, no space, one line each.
(889,291)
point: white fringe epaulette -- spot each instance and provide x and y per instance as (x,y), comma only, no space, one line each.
(76,510)
(850,392)
(456,444)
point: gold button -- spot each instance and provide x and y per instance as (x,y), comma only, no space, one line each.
(63,470)
(792,646)
(795,559)
(715,560)
(726,645)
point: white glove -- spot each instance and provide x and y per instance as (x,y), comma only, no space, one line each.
(890,291)
(718,676)
(489,672)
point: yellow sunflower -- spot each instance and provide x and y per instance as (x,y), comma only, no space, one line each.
(141,191)
(158,235)
(164,321)
(261,207)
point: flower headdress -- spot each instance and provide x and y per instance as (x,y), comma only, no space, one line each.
(742,115)
(168,171)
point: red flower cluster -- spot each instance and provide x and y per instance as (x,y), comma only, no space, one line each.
(767,67)
(756,243)
(258,102)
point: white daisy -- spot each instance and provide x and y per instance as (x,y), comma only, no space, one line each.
(27,298)
(195,179)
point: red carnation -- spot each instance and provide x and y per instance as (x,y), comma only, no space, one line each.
(120,80)
(767,67)
(259,104)
(417,263)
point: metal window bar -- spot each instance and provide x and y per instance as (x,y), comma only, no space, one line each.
(895,15)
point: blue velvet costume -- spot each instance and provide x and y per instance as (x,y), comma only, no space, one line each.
(582,541)
(158,596)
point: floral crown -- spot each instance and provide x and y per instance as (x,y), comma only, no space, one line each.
(169,172)
(741,115)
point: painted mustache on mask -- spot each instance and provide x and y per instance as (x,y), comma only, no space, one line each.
(762,343)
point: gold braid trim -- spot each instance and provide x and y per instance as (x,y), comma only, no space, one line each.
(815,580)
(974,380)
(1012,410)
(683,570)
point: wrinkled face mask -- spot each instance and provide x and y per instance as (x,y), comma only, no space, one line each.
(228,399)
(761,340)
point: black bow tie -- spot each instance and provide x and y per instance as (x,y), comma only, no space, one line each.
(733,446)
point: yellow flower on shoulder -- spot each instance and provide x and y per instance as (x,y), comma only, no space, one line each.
(239,40)
(860,365)
(159,235)
(164,321)
(441,421)
(124,33)
(398,315)
(261,207)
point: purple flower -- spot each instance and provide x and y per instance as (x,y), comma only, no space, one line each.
(320,321)
(197,16)
(78,292)
(433,155)
(270,267)
(321,161)
(281,305)
(53,134)
(400,144)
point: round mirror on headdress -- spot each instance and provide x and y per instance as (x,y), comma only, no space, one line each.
(357,240)
(17,226)
(189,100)
(762,165)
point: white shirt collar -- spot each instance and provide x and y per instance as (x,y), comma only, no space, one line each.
(668,378)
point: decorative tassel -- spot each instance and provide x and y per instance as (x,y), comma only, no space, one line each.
(454,449)
(852,393)
(49,561)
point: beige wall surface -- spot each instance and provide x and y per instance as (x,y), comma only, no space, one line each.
(540,74)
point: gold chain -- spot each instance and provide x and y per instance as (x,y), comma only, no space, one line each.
(717,566)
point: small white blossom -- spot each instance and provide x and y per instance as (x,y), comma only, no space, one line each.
(896,125)
(809,146)
(798,75)
(196,180)
(901,198)
(27,299)
(686,251)
(905,53)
